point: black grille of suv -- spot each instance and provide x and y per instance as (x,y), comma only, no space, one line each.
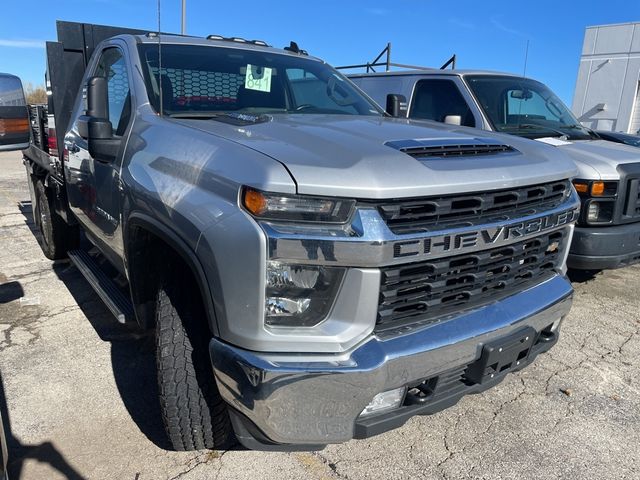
(449,211)
(632,210)
(424,292)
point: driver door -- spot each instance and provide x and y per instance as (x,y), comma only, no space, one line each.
(93,184)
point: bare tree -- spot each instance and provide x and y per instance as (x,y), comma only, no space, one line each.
(35,95)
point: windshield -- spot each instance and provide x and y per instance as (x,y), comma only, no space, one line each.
(525,107)
(202,81)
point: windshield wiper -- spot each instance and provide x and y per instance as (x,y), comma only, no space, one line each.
(591,133)
(234,118)
(242,119)
(194,115)
(527,126)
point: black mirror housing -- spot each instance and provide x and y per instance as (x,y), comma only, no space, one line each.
(396,105)
(95,123)
(15,128)
(95,126)
(92,128)
(97,97)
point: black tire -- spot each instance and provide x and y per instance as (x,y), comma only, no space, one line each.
(194,414)
(56,236)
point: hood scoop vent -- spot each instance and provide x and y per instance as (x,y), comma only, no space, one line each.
(454,147)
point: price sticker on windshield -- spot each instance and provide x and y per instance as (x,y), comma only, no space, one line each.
(258,78)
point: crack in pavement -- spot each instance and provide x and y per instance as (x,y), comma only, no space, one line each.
(202,459)
(332,466)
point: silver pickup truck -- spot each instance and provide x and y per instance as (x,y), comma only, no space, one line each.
(314,270)
(608,230)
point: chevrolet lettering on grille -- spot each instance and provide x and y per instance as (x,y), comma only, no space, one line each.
(483,238)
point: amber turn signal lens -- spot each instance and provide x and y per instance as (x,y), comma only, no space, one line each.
(581,187)
(597,189)
(13,125)
(255,202)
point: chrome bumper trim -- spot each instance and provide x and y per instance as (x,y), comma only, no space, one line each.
(315,399)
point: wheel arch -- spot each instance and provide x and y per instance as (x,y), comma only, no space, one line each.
(139,224)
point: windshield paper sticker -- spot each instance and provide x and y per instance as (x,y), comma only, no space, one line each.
(258,78)
(556,142)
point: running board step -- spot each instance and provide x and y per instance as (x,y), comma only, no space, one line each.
(116,301)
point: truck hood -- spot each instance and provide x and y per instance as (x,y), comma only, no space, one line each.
(598,159)
(343,155)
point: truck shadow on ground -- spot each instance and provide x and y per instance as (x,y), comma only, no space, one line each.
(132,356)
(132,350)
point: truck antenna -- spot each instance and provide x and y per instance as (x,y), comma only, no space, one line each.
(160,61)
(524,75)
(526,57)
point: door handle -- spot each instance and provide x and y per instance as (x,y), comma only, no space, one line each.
(73,147)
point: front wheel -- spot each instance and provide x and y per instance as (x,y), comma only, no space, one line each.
(194,414)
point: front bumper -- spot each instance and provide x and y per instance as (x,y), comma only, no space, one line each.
(311,400)
(605,247)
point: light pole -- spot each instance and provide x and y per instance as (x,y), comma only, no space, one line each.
(183,30)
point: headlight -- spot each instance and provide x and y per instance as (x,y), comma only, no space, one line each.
(299,295)
(301,208)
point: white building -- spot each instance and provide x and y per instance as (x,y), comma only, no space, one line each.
(607,95)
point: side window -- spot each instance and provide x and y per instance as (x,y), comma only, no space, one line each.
(437,98)
(112,66)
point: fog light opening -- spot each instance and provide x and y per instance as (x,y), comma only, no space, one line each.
(593,212)
(384,402)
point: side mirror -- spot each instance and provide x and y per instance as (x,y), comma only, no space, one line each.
(15,132)
(453,120)
(95,126)
(396,105)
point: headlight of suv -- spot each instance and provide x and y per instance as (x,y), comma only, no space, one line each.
(299,295)
(598,201)
(296,208)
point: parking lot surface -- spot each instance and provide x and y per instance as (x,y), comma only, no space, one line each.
(81,397)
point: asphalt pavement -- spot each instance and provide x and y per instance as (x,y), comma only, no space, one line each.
(80,398)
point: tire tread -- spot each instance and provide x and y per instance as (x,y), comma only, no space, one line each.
(194,414)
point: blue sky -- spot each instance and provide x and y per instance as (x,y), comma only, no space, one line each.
(484,34)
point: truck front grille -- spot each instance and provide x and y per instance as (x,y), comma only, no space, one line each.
(632,208)
(426,292)
(452,211)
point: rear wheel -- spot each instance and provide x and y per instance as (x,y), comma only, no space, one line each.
(195,415)
(56,236)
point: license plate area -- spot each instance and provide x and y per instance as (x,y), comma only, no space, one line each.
(501,356)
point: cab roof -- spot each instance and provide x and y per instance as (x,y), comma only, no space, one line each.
(218,41)
(433,71)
